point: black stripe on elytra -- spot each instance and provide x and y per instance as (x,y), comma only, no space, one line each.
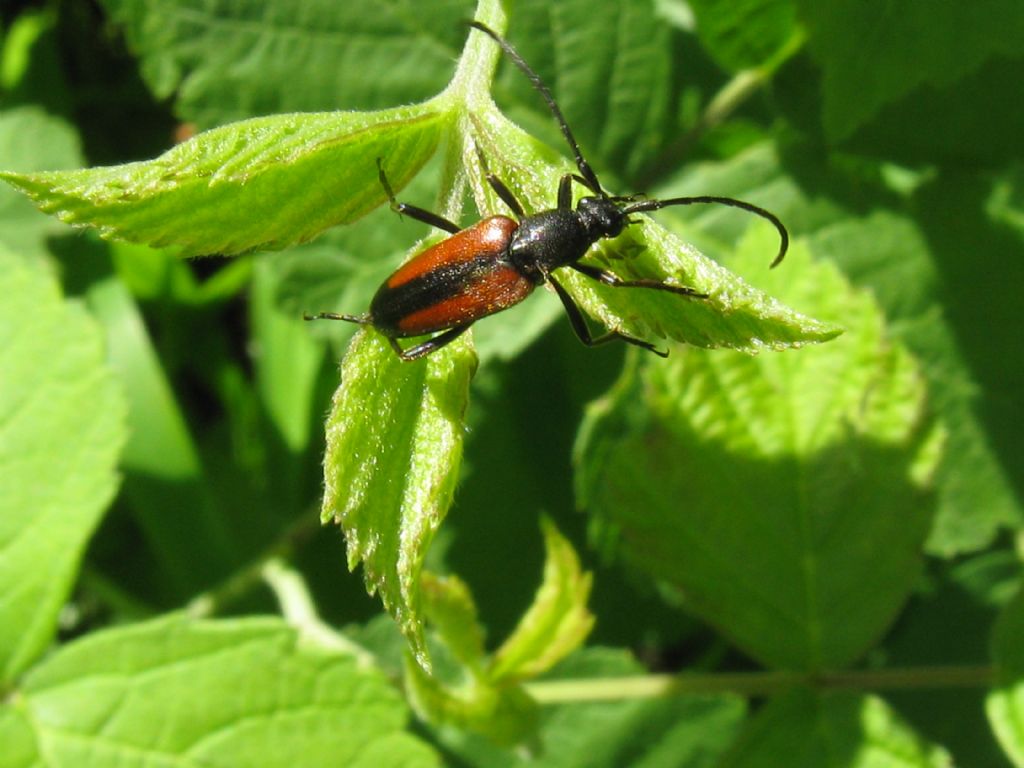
(392,305)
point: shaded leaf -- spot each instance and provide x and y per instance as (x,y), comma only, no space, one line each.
(891,253)
(766,487)
(746,34)
(1005,705)
(859,731)
(611,72)
(874,52)
(230,61)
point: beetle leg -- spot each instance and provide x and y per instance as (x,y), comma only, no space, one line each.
(500,188)
(413,212)
(506,195)
(579,325)
(565,191)
(413,353)
(617,282)
(428,346)
(360,319)
(576,177)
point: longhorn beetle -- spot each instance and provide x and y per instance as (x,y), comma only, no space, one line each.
(497,262)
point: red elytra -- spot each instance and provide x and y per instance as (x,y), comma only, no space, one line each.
(478,281)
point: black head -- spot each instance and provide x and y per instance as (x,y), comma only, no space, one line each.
(601,217)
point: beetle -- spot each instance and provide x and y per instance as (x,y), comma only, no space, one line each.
(498,261)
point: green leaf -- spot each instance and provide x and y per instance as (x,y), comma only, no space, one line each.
(982,309)
(63,425)
(20,748)
(811,730)
(262,183)
(504,714)
(873,53)
(745,34)
(449,606)
(487,699)
(394,443)
(556,623)
(1005,705)
(370,485)
(159,443)
(129,696)
(465,697)
(766,487)
(232,61)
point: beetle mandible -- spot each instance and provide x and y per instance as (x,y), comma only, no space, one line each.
(497,262)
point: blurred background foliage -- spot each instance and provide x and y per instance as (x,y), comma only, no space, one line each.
(887,137)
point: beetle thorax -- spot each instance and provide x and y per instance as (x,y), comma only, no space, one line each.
(546,241)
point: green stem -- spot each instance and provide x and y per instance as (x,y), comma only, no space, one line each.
(300,611)
(243,581)
(729,98)
(758,683)
(471,84)
(469,90)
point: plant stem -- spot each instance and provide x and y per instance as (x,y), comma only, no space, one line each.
(758,683)
(244,580)
(299,610)
(729,98)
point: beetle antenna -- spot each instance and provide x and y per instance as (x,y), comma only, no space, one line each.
(643,206)
(589,177)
